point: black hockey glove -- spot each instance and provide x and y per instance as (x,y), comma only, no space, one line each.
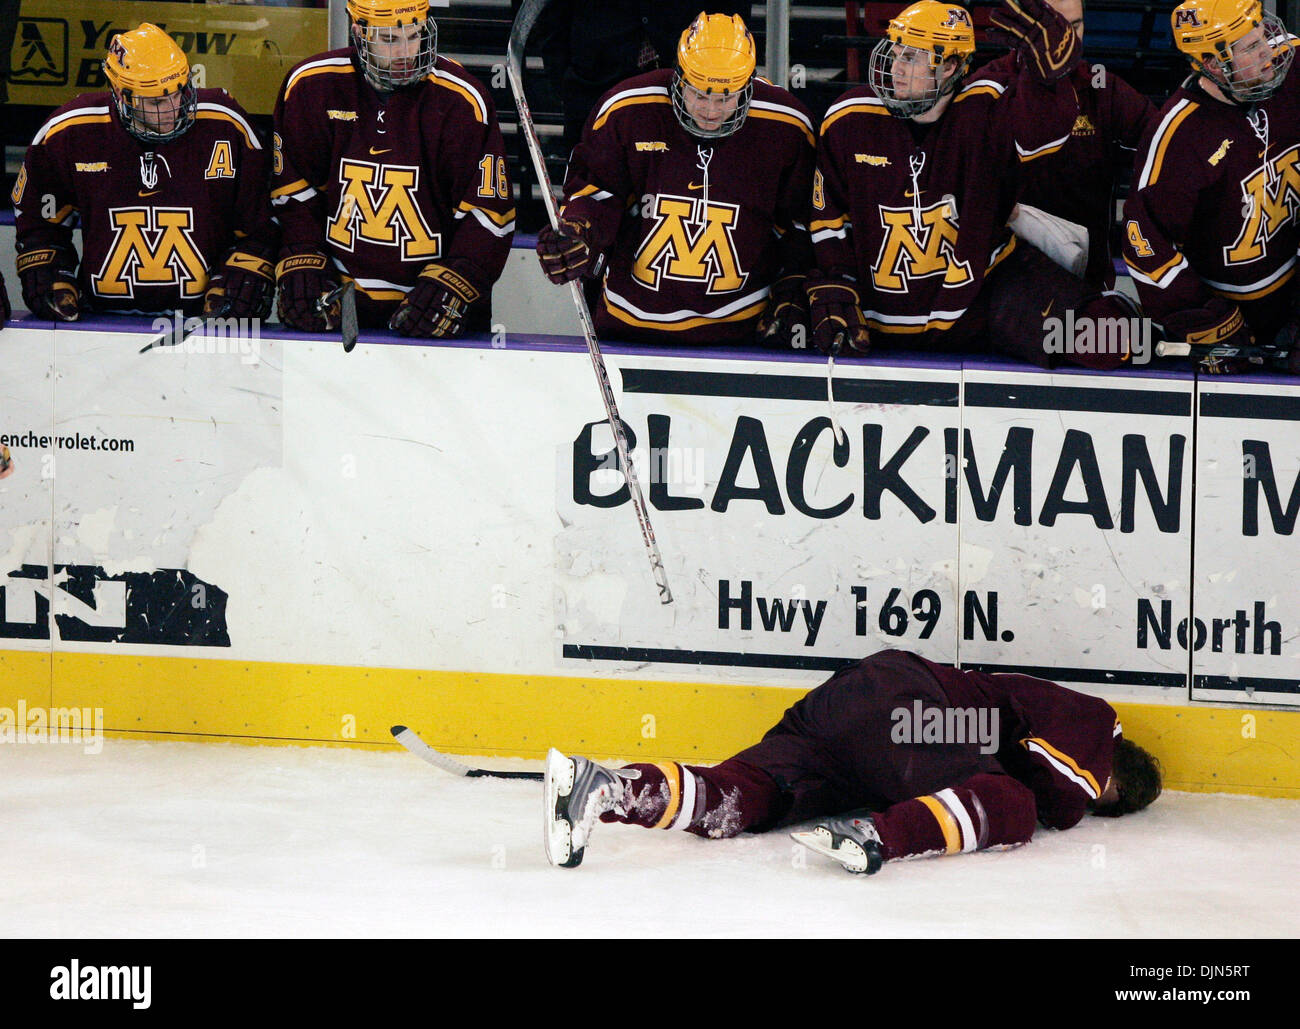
(49,281)
(5,310)
(303,281)
(1221,341)
(835,311)
(242,287)
(565,254)
(785,322)
(437,304)
(1044,39)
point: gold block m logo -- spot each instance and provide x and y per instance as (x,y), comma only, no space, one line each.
(1272,198)
(912,251)
(395,220)
(691,244)
(152,246)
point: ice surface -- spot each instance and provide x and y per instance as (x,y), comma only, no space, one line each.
(224,840)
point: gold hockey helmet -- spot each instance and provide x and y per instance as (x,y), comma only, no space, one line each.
(150,78)
(714,81)
(1250,48)
(396,41)
(928,34)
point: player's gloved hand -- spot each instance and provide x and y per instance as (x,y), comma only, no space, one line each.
(1045,40)
(566,253)
(1221,341)
(242,287)
(303,282)
(785,322)
(5,309)
(49,282)
(835,311)
(437,304)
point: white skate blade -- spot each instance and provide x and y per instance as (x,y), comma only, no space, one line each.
(557,833)
(846,852)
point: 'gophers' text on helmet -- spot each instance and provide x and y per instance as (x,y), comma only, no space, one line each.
(927,52)
(396,41)
(152,88)
(1234,44)
(714,81)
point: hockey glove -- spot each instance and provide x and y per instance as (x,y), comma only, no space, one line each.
(5,309)
(565,254)
(49,283)
(241,288)
(303,282)
(437,304)
(1045,40)
(785,322)
(835,311)
(1220,339)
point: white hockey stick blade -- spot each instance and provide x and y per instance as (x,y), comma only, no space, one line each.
(410,739)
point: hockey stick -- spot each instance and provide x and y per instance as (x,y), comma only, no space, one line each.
(346,296)
(524,22)
(410,739)
(176,334)
(1255,354)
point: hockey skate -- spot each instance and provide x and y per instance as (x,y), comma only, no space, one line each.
(577,792)
(851,839)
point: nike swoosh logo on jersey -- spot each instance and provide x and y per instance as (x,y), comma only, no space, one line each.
(908,193)
(1048,309)
(373,151)
(691,185)
(150,194)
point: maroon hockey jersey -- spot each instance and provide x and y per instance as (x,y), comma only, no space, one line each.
(154,220)
(917,214)
(694,231)
(387,185)
(1077,182)
(1214,210)
(1057,742)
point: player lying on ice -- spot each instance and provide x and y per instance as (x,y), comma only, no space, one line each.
(846,757)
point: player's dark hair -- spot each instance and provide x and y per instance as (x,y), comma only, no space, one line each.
(1137,776)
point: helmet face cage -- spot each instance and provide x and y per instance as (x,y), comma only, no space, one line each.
(1252,88)
(144,116)
(683,93)
(880,75)
(384,52)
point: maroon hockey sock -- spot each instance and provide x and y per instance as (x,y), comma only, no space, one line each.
(713,802)
(984,811)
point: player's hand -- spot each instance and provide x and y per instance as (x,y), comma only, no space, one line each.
(241,288)
(785,322)
(835,311)
(5,310)
(565,254)
(50,284)
(1218,335)
(1045,40)
(437,304)
(304,282)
